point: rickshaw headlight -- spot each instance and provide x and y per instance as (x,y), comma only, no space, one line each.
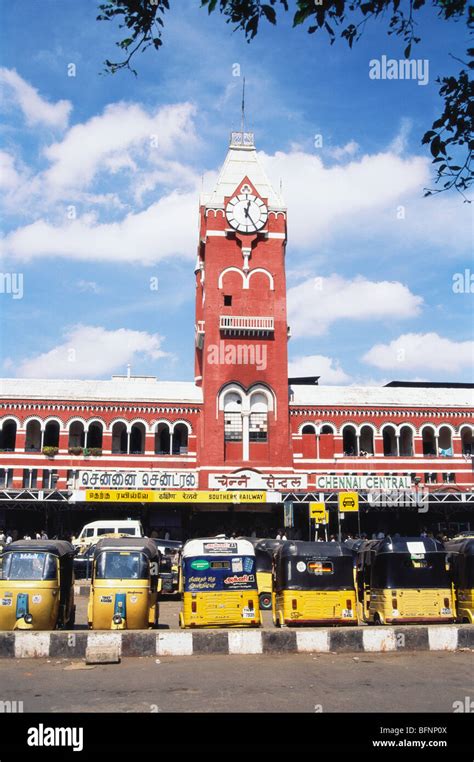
(28,618)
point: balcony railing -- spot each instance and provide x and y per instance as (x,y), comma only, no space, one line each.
(245,324)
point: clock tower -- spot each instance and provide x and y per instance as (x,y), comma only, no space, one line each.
(241,359)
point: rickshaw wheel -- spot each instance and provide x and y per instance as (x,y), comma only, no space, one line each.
(265,601)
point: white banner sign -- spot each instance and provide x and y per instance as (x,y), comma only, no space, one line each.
(351,482)
(247,479)
(137,479)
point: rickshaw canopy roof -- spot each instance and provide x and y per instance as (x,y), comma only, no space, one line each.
(313,549)
(210,546)
(58,548)
(464,546)
(405,545)
(138,544)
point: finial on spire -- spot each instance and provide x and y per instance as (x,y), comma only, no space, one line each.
(242,139)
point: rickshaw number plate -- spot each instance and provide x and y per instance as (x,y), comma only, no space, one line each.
(248,613)
(7,601)
(36,598)
(445,611)
(347,613)
(106,599)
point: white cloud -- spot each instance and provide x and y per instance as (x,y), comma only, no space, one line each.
(342,152)
(90,352)
(323,201)
(166,228)
(422,352)
(9,177)
(36,109)
(107,142)
(327,368)
(318,302)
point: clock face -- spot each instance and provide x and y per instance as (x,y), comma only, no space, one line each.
(246,213)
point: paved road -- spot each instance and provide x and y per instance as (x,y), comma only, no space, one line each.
(408,682)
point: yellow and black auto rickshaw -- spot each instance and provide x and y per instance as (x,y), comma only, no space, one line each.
(313,583)
(124,585)
(461,559)
(404,580)
(37,585)
(219,584)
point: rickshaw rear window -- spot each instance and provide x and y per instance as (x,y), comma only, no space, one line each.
(114,564)
(220,564)
(320,567)
(21,565)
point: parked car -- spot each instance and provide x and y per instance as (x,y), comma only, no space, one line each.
(96,530)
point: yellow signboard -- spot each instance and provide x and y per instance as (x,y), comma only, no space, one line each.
(318,512)
(348,501)
(162,496)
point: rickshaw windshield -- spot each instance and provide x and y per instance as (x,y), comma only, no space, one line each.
(217,573)
(428,570)
(120,564)
(29,565)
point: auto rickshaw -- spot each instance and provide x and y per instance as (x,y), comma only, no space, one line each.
(219,584)
(313,583)
(37,585)
(404,580)
(124,585)
(461,558)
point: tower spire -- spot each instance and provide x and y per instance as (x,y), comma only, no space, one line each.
(242,123)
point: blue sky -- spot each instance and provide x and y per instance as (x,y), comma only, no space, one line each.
(102,174)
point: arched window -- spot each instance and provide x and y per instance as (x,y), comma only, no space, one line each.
(76,434)
(466,440)
(327,429)
(137,439)
(33,436)
(162,439)
(349,440)
(366,440)
(233,417)
(180,439)
(308,429)
(389,441)
(51,434)
(95,435)
(119,438)
(245,417)
(258,423)
(406,441)
(8,436)
(429,441)
(445,442)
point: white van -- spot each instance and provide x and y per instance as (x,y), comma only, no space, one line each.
(92,532)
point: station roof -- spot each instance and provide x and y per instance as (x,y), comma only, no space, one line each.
(396,396)
(140,389)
